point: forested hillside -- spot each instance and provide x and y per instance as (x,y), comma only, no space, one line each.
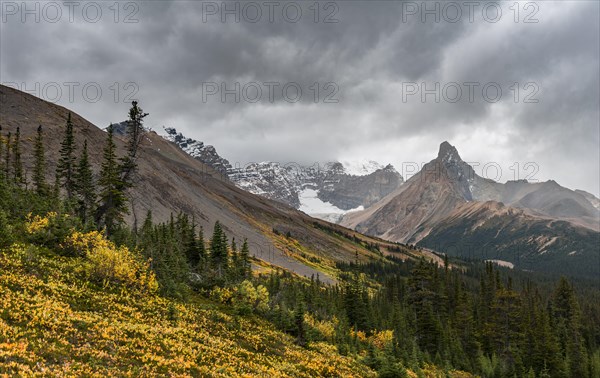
(84,292)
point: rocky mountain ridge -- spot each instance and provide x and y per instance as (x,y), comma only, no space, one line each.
(325,190)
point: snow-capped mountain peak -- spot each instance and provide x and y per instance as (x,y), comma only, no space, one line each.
(360,167)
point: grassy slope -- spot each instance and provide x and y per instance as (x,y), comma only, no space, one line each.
(54,322)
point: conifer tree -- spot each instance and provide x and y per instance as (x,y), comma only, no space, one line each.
(187,234)
(234,249)
(161,244)
(299,323)
(146,237)
(201,249)
(113,204)
(39,170)
(464,322)
(66,161)
(234,266)
(17,164)
(84,185)
(135,135)
(546,352)
(56,189)
(245,267)
(218,250)
(568,317)
(7,156)
(148,224)
(504,322)
(424,297)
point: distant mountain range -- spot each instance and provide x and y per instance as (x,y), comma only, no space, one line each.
(323,190)
(448,207)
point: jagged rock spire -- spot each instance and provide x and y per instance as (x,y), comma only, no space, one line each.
(448,152)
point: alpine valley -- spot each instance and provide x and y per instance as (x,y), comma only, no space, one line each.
(128,253)
(254,189)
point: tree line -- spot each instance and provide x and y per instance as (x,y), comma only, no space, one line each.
(101,202)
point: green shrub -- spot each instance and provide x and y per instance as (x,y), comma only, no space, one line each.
(50,230)
(6,231)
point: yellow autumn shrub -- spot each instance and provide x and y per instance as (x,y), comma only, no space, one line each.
(325,328)
(57,325)
(245,297)
(221,295)
(109,263)
(360,335)
(382,339)
(35,224)
(248,298)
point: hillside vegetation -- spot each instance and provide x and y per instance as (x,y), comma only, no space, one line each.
(82,292)
(55,321)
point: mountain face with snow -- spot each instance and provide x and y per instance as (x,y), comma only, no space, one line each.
(324,190)
(198,150)
(360,168)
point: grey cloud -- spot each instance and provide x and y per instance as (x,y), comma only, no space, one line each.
(369,53)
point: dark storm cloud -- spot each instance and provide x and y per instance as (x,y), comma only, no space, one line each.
(373,51)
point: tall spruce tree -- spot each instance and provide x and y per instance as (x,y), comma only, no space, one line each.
(147,237)
(66,161)
(39,169)
(245,266)
(84,186)
(202,253)
(504,322)
(113,203)
(299,322)
(425,297)
(7,156)
(135,135)
(218,250)
(17,163)
(234,263)
(568,322)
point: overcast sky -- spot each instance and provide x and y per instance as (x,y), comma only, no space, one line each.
(378,67)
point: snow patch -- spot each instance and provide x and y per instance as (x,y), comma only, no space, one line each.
(502,263)
(361,168)
(310,203)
